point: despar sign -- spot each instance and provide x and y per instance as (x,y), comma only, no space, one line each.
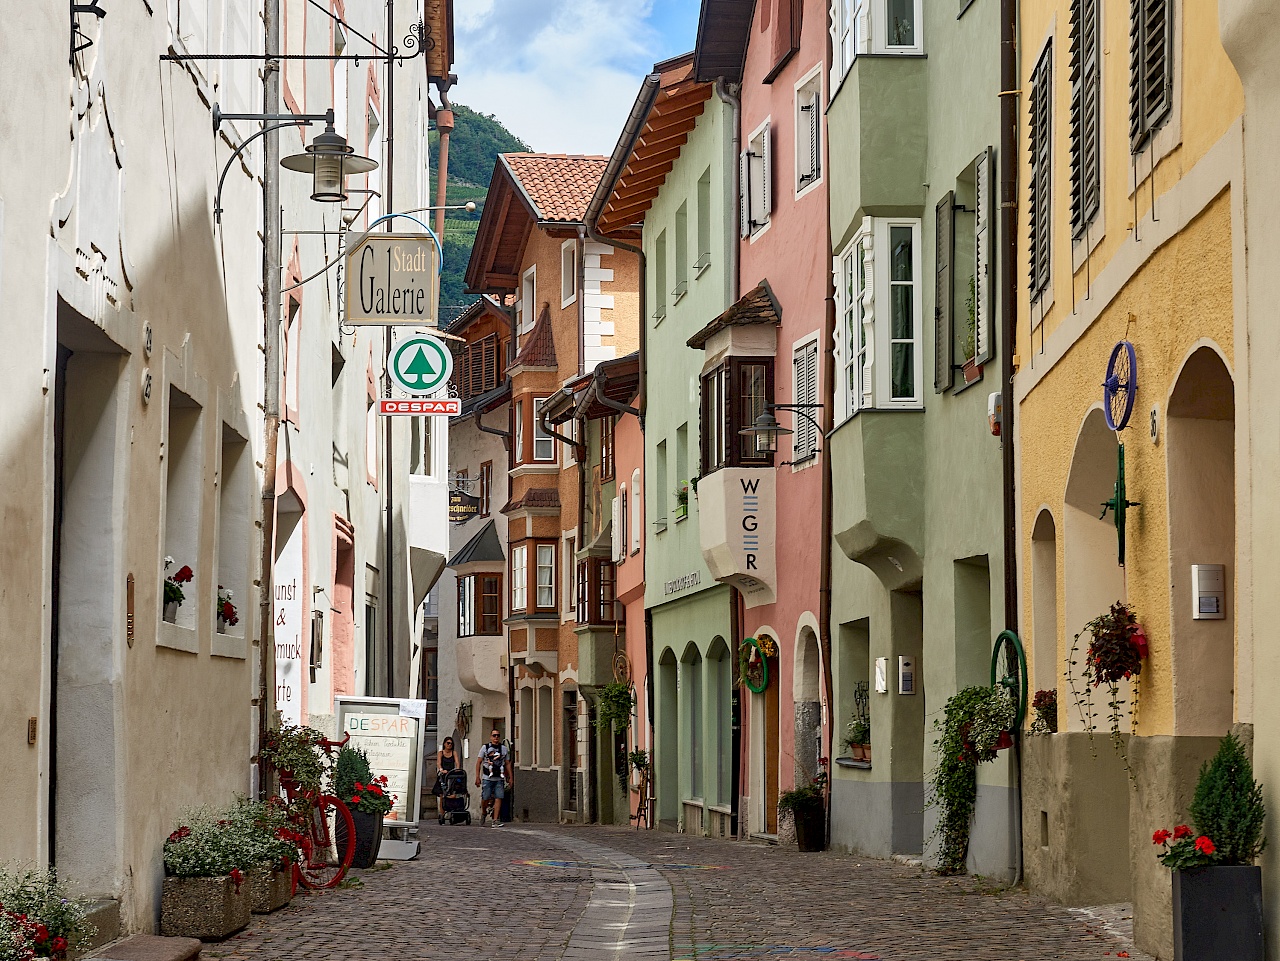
(393,279)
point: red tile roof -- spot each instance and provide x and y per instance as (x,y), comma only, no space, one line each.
(536,498)
(539,348)
(558,186)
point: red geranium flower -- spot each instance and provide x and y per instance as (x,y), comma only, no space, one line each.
(1181,831)
(184,574)
(59,945)
(1204,845)
(356,799)
(1160,836)
(359,786)
(42,934)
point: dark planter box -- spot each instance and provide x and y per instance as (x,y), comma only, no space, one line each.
(1215,907)
(368,838)
(811,829)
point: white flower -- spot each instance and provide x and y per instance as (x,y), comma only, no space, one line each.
(229,594)
(168,562)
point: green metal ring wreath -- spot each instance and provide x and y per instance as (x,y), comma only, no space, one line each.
(753,665)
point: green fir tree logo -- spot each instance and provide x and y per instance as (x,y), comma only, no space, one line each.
(419,368)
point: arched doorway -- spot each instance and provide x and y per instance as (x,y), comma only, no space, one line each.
(666,785)
(719,773)
(806,685)
(764,722)
(1044,602)
(692,725)
(1094,577)
(1202,531)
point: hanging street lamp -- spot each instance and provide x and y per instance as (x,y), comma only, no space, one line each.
(330,160)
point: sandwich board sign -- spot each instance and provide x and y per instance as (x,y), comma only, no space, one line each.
(420,365)
(393,280)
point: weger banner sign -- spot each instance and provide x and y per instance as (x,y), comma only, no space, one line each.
(393,279)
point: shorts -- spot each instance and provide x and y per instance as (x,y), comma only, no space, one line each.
(491,788)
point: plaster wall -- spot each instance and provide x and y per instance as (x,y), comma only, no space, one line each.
(791,253)
(1250,33)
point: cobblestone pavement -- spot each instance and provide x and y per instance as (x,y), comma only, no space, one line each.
(581,893)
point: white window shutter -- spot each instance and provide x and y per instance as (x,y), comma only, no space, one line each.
(766,175)
(864,26)
(744,193)
(983,285)
(635,511)
(617,530)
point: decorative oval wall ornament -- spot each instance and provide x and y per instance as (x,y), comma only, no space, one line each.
(753,663)
(1121,385)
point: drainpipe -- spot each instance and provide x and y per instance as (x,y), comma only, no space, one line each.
(497,432)
(1008,329)
(580,282)
(735,719)
(444,126)
(726,94)
(271,294)
(597,393)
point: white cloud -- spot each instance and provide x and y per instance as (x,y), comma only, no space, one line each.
(560,74)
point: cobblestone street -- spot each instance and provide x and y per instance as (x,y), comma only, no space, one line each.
(586,893)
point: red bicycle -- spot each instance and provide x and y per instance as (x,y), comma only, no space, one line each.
(326,834)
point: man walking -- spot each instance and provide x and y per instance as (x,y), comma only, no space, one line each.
(493,774)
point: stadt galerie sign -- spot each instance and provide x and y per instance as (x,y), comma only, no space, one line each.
(393,279)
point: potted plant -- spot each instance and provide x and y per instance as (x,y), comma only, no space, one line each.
(270,840)
(1217,889)
(291,751)
(969,346)
(1045,706)
(857,734)
(614,709)
(227,614)
(38,919)
(808,809)
(365,795)
(682,499)
(639,763)
(173,592)
(206,891)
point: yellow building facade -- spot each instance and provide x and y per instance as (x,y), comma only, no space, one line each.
(1130,235)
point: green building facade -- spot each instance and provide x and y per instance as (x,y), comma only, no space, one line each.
(913,124)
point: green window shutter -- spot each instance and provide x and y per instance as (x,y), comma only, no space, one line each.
(1086,131)
(1150,68)
(984,275)
(944,298)
(1041,180)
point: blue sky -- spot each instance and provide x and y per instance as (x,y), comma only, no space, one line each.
(562,74)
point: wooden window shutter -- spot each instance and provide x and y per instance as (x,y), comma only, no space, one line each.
(1086,132)
(1150,68)
(1041,172)
(984,275)
(805,390)
(944,297)
(490,362)
(744,193)
(616,530)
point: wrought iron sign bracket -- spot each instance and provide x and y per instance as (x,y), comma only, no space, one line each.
(79,40)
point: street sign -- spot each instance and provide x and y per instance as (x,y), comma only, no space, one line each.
(462,506)
(420,407)
(421,365)
(393,279)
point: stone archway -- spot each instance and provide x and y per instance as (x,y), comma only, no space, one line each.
(1044,602)
(1200,448)
(666,753)
(806,686)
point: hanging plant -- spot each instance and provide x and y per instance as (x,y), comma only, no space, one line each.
(1117,646)
(975,724)
(614,711)
(1045,704)
(753,666)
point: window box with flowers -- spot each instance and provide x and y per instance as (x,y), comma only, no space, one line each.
(682,500)
(1217,888)
(207,893)
(38,919)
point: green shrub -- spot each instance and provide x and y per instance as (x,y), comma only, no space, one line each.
(1228,805)
(351,768)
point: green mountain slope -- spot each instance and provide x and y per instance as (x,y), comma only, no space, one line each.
(473,149)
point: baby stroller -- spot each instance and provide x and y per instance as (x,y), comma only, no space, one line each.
(451,788)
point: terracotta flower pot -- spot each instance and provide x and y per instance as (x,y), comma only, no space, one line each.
(206,908)
(270,889)
(1005,742)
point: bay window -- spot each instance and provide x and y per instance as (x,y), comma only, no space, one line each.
(533,578)
(873,26)
(597,592)
(879,359)
(733,396)
(544,445)
(480,605)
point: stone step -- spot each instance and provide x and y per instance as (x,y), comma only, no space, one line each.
(104,915)
(149,947)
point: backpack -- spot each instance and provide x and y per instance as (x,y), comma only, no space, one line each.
(493,762)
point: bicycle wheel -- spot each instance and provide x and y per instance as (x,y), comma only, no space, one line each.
(329,845)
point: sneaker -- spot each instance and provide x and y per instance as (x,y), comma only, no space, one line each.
(484,816)
(497,824)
